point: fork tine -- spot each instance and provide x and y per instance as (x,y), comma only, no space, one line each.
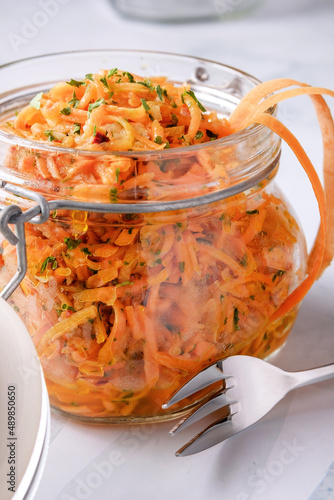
(204,379)
(220,401)
(215,433)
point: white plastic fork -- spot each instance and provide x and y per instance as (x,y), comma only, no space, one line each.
(252,387)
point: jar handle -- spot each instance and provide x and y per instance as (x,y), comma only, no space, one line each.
(12,214)
(20,241)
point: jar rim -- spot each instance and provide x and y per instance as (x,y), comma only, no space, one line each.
(233,138)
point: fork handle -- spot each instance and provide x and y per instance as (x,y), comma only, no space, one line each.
(307,377)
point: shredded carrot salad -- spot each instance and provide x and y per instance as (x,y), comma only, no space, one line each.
(123,309)
(117,111)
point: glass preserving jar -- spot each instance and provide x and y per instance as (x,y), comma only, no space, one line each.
(128,294)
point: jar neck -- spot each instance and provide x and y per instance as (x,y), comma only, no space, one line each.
(230,166)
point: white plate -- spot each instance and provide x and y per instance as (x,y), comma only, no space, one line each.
(23,445)
(31,492)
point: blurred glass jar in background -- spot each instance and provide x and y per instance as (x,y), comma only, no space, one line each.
(199,10)
(186,10)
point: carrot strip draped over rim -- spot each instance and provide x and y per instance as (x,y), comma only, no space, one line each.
(250,111)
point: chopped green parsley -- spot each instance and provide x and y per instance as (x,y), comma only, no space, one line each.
(76,83)
(71,244)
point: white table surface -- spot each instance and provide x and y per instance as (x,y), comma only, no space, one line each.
(290,453)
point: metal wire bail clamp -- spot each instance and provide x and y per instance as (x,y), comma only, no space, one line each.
(39,213)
